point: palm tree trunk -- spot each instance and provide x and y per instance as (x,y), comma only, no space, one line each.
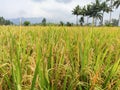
(119,20)
(93,22)
(83,19)
(87,20)
(103,19)
(111,12)
(77,20)
(110,17)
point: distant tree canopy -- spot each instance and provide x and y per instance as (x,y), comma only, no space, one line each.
(114,22)
(5,22)
(44,22)
(26,23)
(69,24)
(61,23)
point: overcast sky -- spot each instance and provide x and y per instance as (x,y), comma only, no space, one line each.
(58,10)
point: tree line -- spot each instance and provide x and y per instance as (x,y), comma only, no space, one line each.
(5,22)
(96,11)
(45,23)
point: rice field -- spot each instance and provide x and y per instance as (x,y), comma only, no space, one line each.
(59,58)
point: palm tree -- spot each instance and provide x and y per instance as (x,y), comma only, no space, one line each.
(117,4)
(95,11)
(111,11)
(88,12)
(76,11)
(111,6)
(98,16)
(83,13)
(105,8)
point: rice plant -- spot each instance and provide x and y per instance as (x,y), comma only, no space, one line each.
(59,58)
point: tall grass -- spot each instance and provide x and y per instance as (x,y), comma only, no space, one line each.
(59,58)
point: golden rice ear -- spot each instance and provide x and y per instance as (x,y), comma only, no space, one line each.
(0,87)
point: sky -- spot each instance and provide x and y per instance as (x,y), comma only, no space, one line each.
(57,10)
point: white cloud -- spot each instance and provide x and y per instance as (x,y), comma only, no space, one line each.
(64,1)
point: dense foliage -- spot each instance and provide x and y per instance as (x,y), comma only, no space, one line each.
(26,23)
(5,22)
